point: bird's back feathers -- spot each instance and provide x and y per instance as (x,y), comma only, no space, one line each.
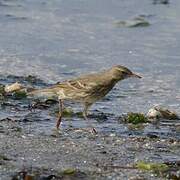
(85,88)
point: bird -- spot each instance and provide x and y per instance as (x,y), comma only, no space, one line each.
(85,89)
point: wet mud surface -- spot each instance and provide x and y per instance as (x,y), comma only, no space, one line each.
(30,147)
(77,154)
(92,156)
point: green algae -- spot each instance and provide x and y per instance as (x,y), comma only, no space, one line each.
(19,95)
(69,171)
(151,166)
(135,118)
(67,112)
(2,90)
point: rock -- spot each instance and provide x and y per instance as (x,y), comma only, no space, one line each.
(13,87)
(137,177)
(177,128)
(160,1)
(153,113)
(3,157)
(37,104)
(161,112)
(24,175)
(31,79)
(152,136)
(135,22)
(51,101)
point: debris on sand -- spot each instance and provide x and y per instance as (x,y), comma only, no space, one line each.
(13,87)
(158,112)
(160,1)
(135,22)
(45,174)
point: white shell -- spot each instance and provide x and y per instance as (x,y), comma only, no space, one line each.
(13,87)
(154,113)
(161,112)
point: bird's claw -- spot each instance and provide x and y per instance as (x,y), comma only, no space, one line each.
(94,131)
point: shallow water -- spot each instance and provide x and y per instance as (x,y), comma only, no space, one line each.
(56,40)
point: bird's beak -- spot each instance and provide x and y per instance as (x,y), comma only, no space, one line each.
(135,75)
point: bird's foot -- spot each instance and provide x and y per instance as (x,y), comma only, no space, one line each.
(57,129)
(94,131)
(55,132)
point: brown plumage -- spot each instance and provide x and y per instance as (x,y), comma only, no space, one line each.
(86,89)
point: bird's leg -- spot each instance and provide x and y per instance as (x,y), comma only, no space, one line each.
(60,114)
(86,107)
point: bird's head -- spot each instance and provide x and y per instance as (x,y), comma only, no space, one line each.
(122,72)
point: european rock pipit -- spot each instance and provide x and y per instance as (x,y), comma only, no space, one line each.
(86,89)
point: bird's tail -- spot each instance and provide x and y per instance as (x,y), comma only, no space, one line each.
(43,93)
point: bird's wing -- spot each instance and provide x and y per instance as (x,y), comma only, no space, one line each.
(82,86)
(73,89)
(77,84)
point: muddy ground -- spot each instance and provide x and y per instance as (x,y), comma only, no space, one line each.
(75,153)
(30,148)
